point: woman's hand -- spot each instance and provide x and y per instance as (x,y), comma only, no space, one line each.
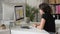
(35,25)
(38,27)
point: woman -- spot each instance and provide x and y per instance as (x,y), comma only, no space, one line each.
(47,21)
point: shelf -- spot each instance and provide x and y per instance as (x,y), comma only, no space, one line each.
(54,4)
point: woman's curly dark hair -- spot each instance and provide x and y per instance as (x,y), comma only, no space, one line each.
(45,7)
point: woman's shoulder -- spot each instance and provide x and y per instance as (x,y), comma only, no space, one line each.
(45,14)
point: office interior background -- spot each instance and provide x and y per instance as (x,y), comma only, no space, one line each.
(17,12)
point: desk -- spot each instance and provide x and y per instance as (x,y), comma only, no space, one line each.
(28,31)
(18,30)
(23,31)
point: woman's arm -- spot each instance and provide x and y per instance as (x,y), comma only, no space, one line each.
(42,23)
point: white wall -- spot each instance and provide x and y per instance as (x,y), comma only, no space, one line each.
(8,11)
(0,11)
(30,2)
(14,1)
(34,2)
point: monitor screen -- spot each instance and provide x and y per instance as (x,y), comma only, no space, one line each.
(19,10)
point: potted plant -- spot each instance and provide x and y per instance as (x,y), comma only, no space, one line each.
(30,12)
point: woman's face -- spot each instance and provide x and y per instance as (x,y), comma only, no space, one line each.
(41,11)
